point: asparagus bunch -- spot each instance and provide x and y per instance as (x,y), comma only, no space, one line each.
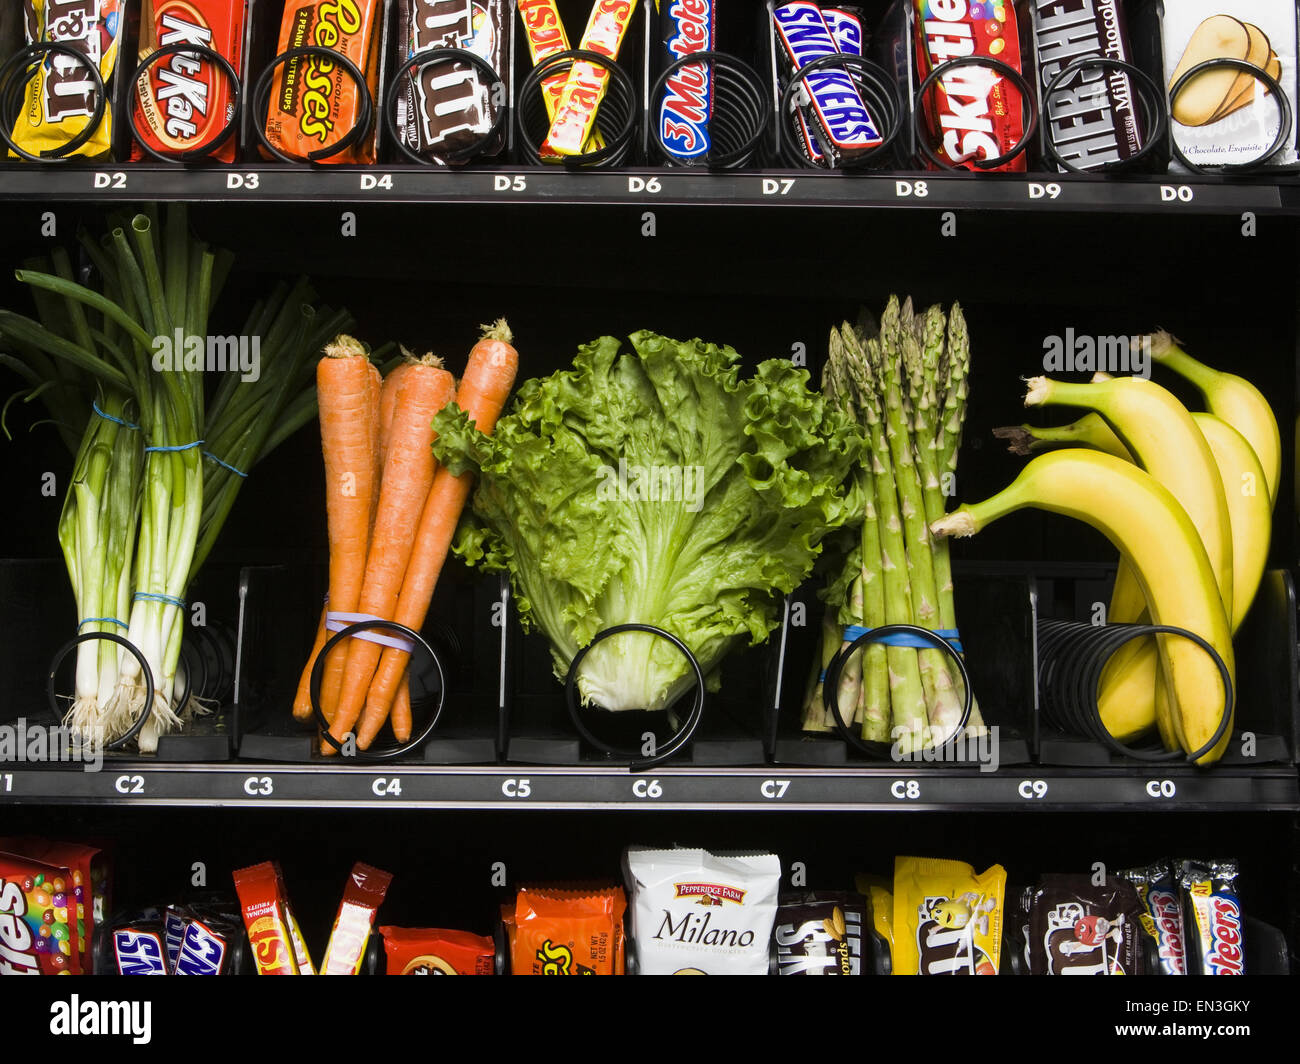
(907,387)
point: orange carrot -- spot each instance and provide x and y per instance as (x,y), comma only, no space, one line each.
(482,394)
(388,401)
(376,391)
(408,476)
(348,401)
(302,700)
(400,718)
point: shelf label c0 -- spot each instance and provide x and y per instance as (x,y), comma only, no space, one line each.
(1161,789)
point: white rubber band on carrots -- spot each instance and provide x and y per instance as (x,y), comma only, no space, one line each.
(336,622)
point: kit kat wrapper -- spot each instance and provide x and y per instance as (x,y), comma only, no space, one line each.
(179,108)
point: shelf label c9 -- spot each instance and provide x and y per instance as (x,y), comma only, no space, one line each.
(1031,789)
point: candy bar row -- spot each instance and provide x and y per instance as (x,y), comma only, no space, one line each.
(678,911)
(1095,86)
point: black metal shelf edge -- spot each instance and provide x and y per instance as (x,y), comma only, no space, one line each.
(669,788)
(678,187)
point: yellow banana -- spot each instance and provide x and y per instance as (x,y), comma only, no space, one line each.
(1163,439)
(1127,695)
(1149,528)
(1232,398)
(1127,691)
(1250,511)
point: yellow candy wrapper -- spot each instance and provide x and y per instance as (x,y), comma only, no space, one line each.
(947,919)
(878,896)
(61,95)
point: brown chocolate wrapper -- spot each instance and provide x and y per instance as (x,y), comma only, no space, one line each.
(819,933)
(1096,120)
(1075,928)
(447,108)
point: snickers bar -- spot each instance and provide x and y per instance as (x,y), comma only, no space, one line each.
(842,121)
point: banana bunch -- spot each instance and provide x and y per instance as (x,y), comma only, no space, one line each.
(1187,499)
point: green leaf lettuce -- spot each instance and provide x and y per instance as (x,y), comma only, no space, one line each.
(653,486)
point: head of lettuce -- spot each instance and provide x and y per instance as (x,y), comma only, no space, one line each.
(657,486)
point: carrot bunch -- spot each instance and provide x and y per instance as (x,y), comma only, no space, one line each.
(392,513)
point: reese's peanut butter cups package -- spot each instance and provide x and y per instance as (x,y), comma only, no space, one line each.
(186,100)
(701,913)
(947,919)
(61,95)
(1073,927)
(431,951)
(314,101)
(564,931)
(819,933)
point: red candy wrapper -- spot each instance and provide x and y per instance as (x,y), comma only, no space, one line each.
(973,112)
(32,940)
(361,900)
(266,919)
(431,951)
(77,892)
(183,103)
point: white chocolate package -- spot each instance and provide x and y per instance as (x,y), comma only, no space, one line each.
(1226,115)
(699,913)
